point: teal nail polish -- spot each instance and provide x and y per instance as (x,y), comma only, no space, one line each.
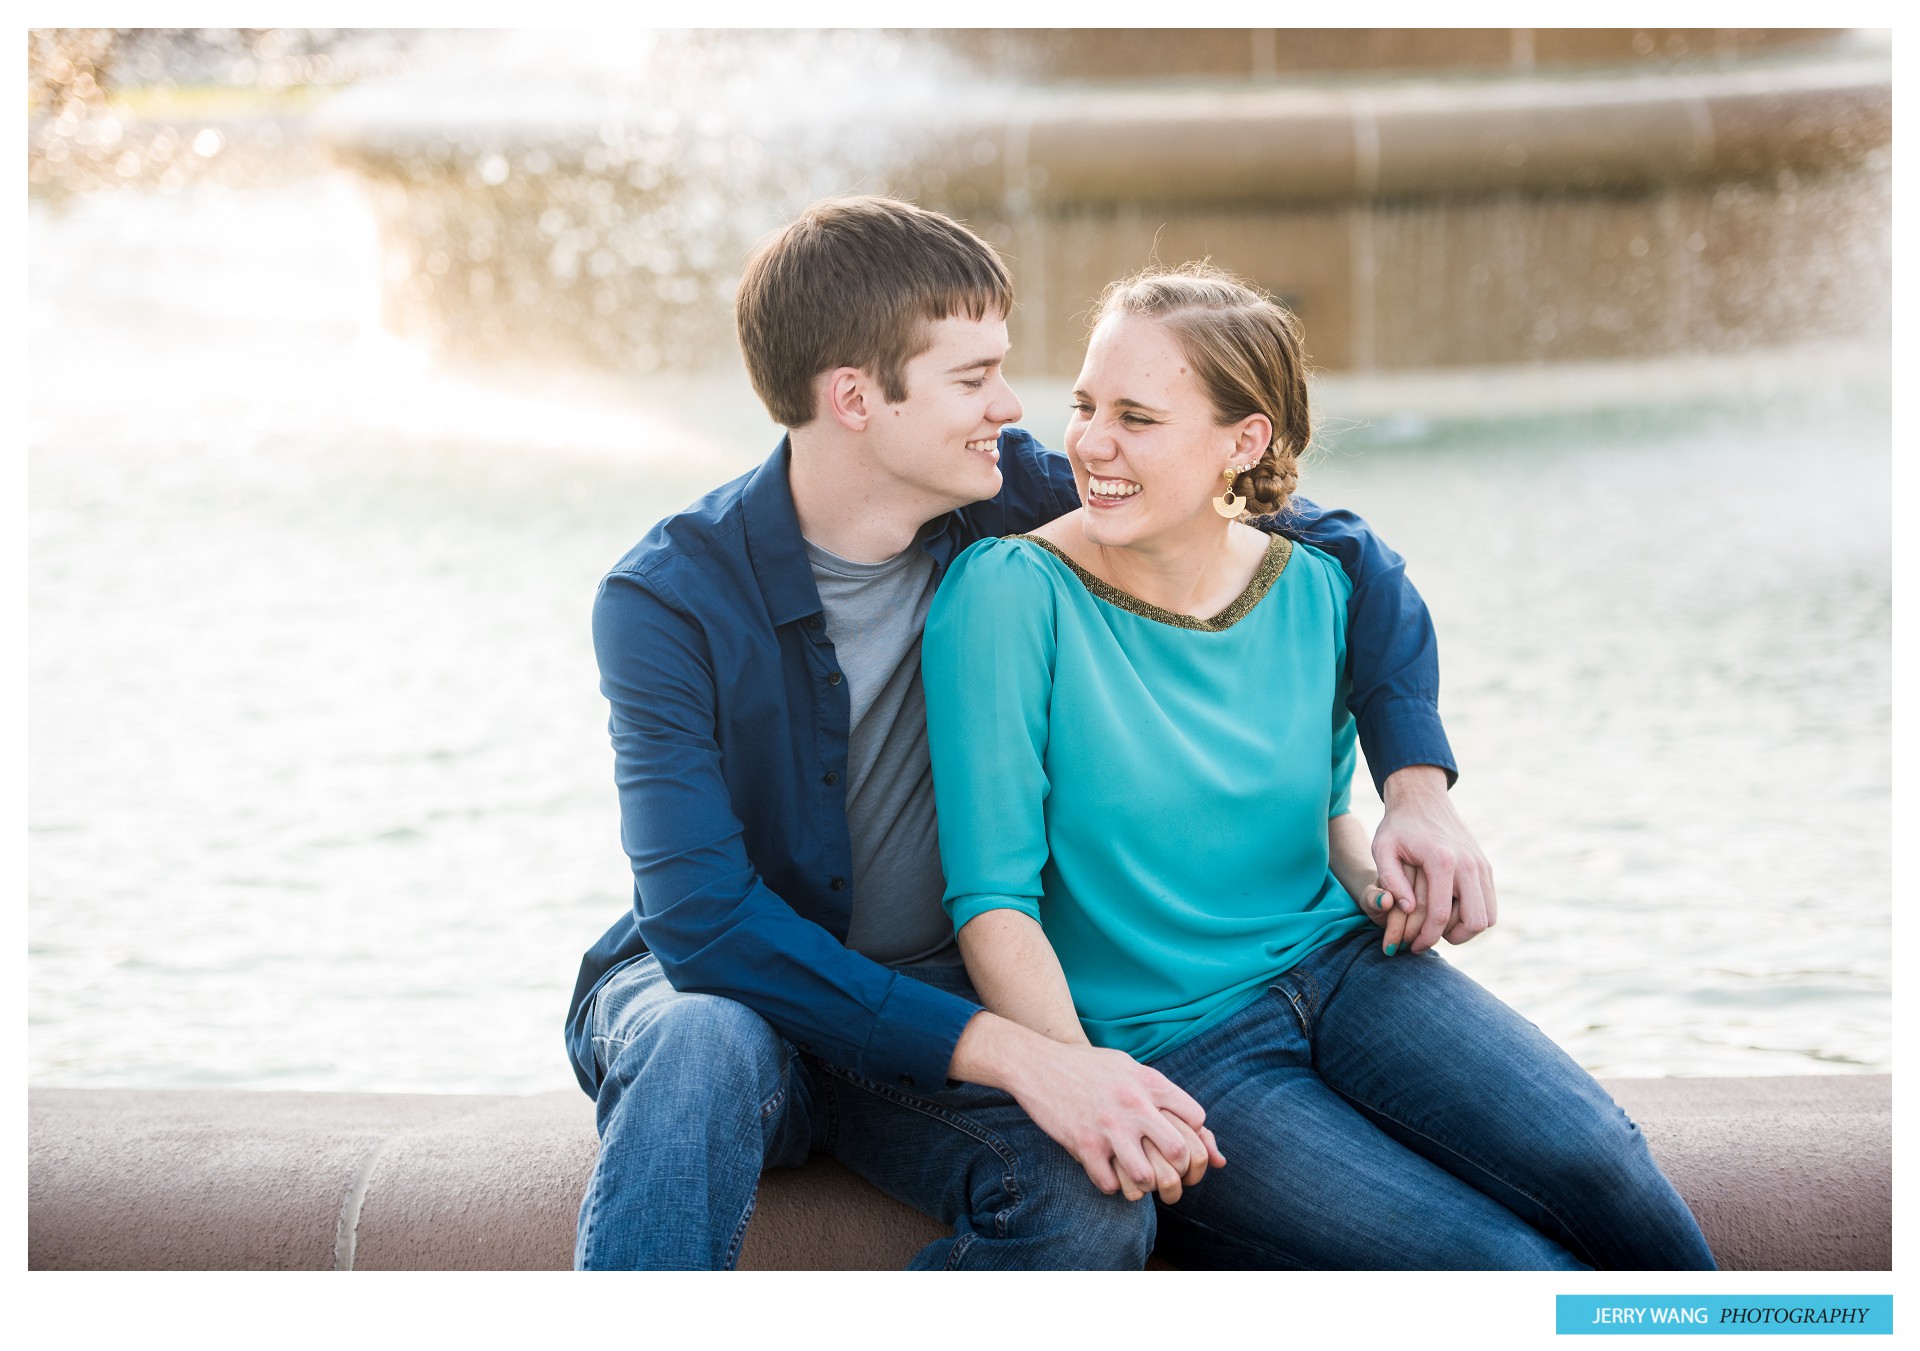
(1392,948)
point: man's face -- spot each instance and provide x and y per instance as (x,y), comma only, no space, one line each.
(941,443)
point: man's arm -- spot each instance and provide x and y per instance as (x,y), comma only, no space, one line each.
(1451,882)
(700,904)
(1393,668)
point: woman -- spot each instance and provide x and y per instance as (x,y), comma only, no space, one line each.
(1141,752)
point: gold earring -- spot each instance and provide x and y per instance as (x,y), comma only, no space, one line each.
(1227,504)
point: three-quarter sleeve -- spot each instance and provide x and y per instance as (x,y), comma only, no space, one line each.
(1340,800)
(987,661)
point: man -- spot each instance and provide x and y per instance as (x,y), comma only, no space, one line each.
(786,981)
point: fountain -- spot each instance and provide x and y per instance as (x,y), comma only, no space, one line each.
(1423,198)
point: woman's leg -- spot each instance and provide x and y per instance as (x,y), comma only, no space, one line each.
(1433,1060)
(1312,1184)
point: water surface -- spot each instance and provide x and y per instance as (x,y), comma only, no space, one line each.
(320,790)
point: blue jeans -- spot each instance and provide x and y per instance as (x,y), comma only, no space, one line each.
(698,1094)
(1387,1112)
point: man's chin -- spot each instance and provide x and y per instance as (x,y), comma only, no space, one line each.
(991,480)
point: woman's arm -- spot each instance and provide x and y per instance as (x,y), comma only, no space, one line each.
(1017,975)
(987,668)
(1350,856)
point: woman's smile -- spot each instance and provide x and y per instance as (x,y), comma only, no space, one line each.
(1109,492)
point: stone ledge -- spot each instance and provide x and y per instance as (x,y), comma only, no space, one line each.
(1784,1173)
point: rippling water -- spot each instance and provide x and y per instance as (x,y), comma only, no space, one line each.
(320,790)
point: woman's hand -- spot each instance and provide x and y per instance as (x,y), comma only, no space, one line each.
(1399,924)
(1203,1152)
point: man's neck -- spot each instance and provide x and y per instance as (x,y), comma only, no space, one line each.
(846,508)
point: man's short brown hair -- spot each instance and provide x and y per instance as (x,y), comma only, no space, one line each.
(857,281)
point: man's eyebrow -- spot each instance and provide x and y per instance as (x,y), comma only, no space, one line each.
(983,363)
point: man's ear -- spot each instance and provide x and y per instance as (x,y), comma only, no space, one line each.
(848,394)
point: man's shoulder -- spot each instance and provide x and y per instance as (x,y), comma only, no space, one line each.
(700,537)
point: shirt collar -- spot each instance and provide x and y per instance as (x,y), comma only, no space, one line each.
(774,544)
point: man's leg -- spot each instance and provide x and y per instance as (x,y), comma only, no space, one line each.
(697,1095)
(971,1157)
(1433,1060)
(1311,1184)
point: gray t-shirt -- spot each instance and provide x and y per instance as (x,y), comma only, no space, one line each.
(874,613)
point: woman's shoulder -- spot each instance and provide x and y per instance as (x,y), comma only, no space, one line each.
(1319,566)
(1012,566)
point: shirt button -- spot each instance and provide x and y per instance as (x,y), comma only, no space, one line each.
(906,1081)
(833,677)
(813,621)
(838,884)
(830,778)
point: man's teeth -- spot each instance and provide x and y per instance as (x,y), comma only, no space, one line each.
(1111,487)
(991,443)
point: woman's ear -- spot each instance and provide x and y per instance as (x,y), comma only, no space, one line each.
(846,391)
(1251,438)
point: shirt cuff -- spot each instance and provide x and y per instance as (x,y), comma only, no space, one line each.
(914,1033)
(962,909)
(1399,732)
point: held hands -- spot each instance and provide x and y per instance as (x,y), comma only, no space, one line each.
(1128,1125)
(1378,905)
(1429,862)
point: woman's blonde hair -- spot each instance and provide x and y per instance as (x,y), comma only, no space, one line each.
(1245,347)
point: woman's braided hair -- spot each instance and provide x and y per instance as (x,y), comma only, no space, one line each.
(1245,347)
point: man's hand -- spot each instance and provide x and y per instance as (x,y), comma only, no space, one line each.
(1450,879)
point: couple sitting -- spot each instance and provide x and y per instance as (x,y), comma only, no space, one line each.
(1147,953)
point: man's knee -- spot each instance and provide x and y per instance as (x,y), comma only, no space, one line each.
(694,1048)
(1084,1227)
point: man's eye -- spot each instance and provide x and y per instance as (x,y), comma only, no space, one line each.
(1081,408)
(975,384)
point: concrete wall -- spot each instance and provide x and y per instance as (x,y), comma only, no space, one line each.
(1784,1174)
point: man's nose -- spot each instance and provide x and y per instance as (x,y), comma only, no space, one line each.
(1006,404)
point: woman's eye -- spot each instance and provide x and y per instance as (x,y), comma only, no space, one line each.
(975,384)
(1135,420)
(1081,408)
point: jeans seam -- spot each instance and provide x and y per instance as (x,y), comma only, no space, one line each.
(1587,1248)
(1009,1159)
(740,1230)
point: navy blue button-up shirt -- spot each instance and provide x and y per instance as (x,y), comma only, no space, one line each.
(729,723)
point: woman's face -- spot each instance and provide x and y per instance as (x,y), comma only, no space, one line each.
(1146,450)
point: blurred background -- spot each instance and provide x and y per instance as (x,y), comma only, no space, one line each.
(356,357)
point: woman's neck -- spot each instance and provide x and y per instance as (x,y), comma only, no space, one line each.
(1200,573)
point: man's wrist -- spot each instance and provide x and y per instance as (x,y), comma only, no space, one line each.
(1414,781)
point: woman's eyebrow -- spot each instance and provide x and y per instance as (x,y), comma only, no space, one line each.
(1124,403)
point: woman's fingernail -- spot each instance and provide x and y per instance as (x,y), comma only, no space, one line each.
(1392,948)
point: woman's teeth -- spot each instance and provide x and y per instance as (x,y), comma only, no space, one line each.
(1104,487)
(991,443)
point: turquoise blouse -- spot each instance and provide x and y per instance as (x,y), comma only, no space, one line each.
(1153,789)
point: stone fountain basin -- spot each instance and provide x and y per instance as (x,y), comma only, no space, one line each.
(1784,1174)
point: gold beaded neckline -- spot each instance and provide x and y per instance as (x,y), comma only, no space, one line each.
(1279,550)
